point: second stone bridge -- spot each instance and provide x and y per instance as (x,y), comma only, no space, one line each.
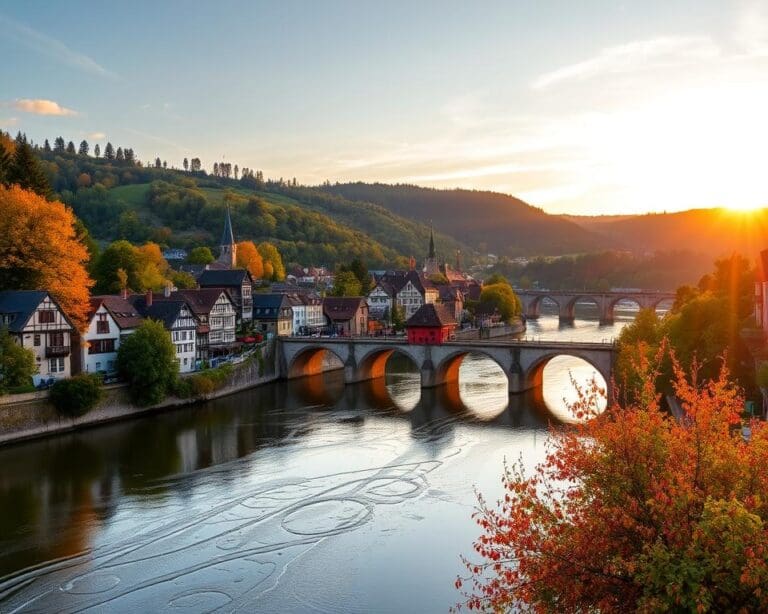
(364,358)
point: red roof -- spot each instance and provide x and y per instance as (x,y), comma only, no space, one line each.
(431,315)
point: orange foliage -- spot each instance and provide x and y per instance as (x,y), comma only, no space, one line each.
(633,511)
(39,249)
(249,258)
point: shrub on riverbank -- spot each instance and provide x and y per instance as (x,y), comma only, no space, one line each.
(147,361)
(634,511)
(203,383)
(77,395)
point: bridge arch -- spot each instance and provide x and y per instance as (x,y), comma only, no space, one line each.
(373,364)
(312,360)
(532,305)
(611,308)
(447,370)
(533,375)
(568,311)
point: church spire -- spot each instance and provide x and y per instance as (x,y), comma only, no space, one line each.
(431,242)
(227,247)
(228,237)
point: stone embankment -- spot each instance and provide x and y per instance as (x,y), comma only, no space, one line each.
(26,416)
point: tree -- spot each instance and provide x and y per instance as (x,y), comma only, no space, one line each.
(361,272)
(40,248)
(273,262)
(497,278)
(200,255)
(59,145)
(183,280)
(501,298)
(398,317)
(17,364)
(83,150)
(633,510)
(216,169)
(158,163)
(346,283)
(186,164)
(147,361)
(26,172)
(77,395)
(71,148)
(120,155)
(47,146)
(248,257)
(130,157)
(97,151)
(122,265)
(5,159)
(109,152)
(237,170)
(196,166)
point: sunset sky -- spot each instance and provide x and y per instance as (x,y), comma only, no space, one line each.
(577,107)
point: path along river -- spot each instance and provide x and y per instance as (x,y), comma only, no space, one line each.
(292,497)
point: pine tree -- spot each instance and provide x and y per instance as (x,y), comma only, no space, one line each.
(186,164)
(71,148)
(120,157)
(47,146)
(215,169)
(237,170)
(5,163)
(97,151)
(158,163)
(59,145)
(83,151)
(25,171)
(109,152)
(165,164)
(129,156)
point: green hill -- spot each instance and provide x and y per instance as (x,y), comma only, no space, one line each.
(487,220)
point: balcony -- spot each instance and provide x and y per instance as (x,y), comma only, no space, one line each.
(56,351)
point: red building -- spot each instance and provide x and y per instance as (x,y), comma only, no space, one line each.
(432,324)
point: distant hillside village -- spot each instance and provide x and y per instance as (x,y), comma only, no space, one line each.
(230,310)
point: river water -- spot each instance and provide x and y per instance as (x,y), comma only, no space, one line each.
(305,496)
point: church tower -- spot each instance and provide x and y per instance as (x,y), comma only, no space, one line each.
(430,265)
(228,248)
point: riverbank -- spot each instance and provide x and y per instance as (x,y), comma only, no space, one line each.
(31,415)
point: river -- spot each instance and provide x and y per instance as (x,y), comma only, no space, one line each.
(305,496)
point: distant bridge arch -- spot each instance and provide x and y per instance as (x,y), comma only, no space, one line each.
(605,301)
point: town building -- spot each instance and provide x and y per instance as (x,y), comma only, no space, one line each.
(416,290)
(273,314)
(308,315)
(37,322)
(380,300)
(432,324)
(110,319)
(453,299)
(178,319)
(346,315)
(216,316)
(238,284)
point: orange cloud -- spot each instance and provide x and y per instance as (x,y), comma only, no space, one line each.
(38,106)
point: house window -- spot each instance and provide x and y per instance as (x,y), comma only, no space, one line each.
(55,339)
(101,346)
(36,340)
(98,366)
(46,316)
(56,365)
(102,324)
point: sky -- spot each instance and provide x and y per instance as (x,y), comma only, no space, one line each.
(577,107)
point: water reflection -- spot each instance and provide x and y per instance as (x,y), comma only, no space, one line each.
(211,505)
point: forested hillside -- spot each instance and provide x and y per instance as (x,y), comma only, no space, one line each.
(503,224)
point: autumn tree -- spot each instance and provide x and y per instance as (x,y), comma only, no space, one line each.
(144,268)
(40,248)
(248,257)
(273,262)
(633,510)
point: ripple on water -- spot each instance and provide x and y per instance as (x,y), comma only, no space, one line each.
(327,517)
(91,583)
(200,602)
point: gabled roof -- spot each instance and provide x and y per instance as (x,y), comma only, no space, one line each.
(431,315)
(387,287)
(200,300)
(21,305)
(449,293)
(269,305)
(123,312)
(165,311)
(342,307)
(224,278)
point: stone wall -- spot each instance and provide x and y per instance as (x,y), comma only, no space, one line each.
(32,415)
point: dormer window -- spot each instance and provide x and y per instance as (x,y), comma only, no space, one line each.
(46,316)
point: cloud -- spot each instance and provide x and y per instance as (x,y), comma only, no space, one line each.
(8,122)
(53,48)
(39,106)
(655,53)
(96,136)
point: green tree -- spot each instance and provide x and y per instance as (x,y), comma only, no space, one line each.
(497,278)
(25,171)
(97,151)
(83,150)
(183,280)
(17,364)
(346,283)
(109,152)
(500,297)
(361,272)
(71,148)
(147,361)
(200,255)
(398,317)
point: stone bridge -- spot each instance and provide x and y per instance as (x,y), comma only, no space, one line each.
(365,358)
(606,301)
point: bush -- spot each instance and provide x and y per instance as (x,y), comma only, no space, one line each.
(76,396)
(201,385)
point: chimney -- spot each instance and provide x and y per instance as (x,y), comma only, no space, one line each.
(124,293)
(412,263)
(167,291)
(149,298)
